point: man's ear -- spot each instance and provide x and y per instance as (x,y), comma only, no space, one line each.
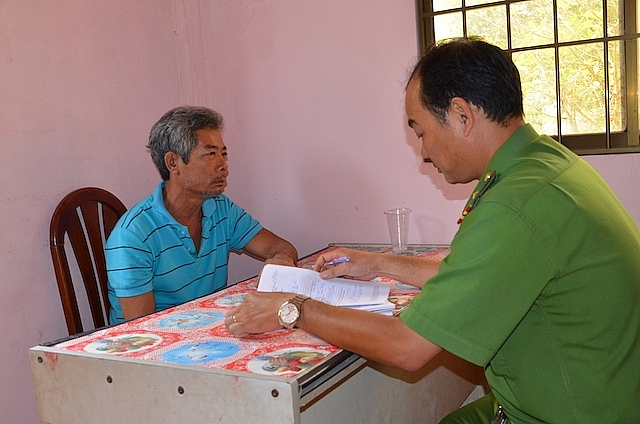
(171,161)
(461,112)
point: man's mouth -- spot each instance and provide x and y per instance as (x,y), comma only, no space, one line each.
(220,180)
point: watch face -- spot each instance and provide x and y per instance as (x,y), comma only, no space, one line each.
(289,313)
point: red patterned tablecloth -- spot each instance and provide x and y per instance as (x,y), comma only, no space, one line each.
(194,333)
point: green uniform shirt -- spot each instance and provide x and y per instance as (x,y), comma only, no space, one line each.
(542,288)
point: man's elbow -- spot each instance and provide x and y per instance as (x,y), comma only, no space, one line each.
(414,352)
(411,363)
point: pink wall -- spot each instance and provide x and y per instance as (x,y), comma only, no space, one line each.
(80,85)
(312,95)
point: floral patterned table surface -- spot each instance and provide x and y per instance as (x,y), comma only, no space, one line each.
(194,333)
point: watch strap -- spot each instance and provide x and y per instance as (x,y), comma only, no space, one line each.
(298,300)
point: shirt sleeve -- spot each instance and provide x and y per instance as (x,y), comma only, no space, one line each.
(496,270)
(243,227)
(129,263)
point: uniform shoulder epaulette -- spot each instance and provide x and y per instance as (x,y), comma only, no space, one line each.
(489,179)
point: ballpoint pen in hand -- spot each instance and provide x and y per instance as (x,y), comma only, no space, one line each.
(338,261)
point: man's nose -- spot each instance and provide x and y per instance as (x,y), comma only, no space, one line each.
(222,164)
(425,155)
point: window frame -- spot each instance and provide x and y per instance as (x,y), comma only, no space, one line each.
(625,141)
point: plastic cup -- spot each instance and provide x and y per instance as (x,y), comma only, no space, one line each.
(398,223)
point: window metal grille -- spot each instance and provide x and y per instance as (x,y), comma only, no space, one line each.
(578,61)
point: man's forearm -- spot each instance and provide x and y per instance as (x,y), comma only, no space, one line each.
(381,338)
(283,250)
(366,265)
(271,248)
(407,269)
(136,306)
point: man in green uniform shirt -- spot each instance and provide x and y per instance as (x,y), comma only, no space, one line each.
(542,285)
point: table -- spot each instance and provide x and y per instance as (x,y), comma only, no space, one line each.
(182,365)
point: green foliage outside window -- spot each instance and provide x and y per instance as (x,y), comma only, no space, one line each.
(578,61)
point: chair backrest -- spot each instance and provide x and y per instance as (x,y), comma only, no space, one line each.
(86,217)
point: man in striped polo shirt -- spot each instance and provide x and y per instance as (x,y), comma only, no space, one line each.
(174,245)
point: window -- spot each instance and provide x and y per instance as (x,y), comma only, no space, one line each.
(578,62)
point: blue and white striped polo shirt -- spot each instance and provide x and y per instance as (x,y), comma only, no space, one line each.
(149,250)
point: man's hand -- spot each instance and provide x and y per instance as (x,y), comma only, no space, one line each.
(366,266)
(281,259)
(257,314)
(360,265)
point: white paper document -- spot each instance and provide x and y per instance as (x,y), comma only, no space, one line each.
(367,295)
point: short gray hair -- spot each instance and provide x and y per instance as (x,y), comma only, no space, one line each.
(176,132)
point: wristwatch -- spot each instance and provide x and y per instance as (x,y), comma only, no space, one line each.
(290,311)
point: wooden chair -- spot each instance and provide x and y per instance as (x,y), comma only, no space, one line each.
(86,217)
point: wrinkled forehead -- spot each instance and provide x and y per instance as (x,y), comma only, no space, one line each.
(208,138)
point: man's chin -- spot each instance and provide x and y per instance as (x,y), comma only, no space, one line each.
(449,178)
(452,180)
(212,194)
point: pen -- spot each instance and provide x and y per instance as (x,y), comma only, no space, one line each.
(338,261)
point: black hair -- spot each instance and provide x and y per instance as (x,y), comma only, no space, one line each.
(472,69)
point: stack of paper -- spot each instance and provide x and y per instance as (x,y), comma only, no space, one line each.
(366,295)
